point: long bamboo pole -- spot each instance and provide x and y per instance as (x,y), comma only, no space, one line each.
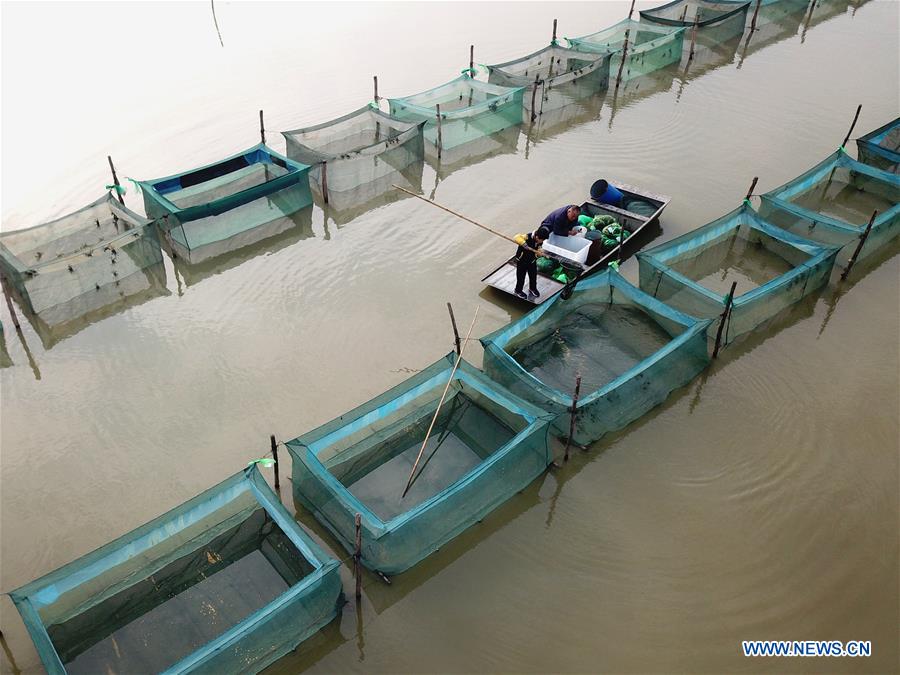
(440,403)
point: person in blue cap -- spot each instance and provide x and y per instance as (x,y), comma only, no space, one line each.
(563,221)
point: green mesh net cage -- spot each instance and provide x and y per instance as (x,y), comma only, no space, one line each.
(470,110)
(213,209)
(363,148)
(554,77)
(80,263)
(630,350)
(225,583)
(485,446)
(716,20)
(881,148)
(773,270)
(650,47)
(833,202)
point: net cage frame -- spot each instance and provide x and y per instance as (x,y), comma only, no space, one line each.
(870,150)
(82,269)
(751,307)
(403,134)
(717,28)
(292,187)
(592,78)
(777,209)
(611,40)
(501,109)
(623,399)
(392,546)
(259,639)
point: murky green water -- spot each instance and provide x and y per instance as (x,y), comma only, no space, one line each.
(759,502)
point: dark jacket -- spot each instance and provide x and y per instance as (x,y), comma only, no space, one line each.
(558,222)
(523,255)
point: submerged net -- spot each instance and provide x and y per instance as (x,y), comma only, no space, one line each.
(356,149)
(716,20)
(485,446)
(650,47)
(881,148)
(82,262)
(558,75)
(772,268)
(630,350)
(215,205)
(833,202)
(224,582)
(470,109)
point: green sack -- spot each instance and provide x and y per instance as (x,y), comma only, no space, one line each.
(546,265)
(603,220)
(584,220)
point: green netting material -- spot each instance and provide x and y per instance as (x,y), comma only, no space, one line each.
(217,203)
(225,583)
(470,109)
(356,149)
(650,47)
(832,203)
(486,445)
(881,148)
(630,349)
(81,262)
(558,75)
(716,20)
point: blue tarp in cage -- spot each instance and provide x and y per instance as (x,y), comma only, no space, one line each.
(470,110)
(225,583)
(833,202)
(881,148)
(773,270)
(630,350)
(209,210)
(486,445)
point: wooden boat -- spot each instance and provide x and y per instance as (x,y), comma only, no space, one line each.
(503,278)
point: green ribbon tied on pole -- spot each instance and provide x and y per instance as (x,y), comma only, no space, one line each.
(470,71)
(266,462)
(748,202)
(614,265)
(117,188)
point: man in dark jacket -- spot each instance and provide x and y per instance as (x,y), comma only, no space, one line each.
(526,261)
(563,220)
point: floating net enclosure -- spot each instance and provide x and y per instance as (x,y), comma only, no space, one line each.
(832,203)
(225,583)
(357,149)
(777,20)
(485,446)
(210,210)
(650,47)
(881,148)
(716,20)
(80,263)
(553,77)
(470,110)
(773,270)
(630,350)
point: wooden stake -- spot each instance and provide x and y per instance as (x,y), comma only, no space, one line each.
(456,339)
(375,78)
(684,13)
(115,179)
(728,302)
(467,219)
(572,415)
(325,181)
(9,304)
(624,56)
(357,557)
(471,60)
(537,80)
(275,457)
(850,133)
(440,137)
(694,34)
(262,128)
(752,188)
(631,11)
(755,13)
(440,403)
(862,241)
(553,41)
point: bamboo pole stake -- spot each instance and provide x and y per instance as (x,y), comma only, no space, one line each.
(262,128)
(440,403)
(631,11)
(537,79)
(855,118)
(471,59)
(755,13)
(375,78)
(553,41)
(684,13)
(9,304)
(694,34)
(440,137)
(274,445)
(357,556)
(862,241)
(456,339)
(728,302)
(624,56)
(572,416)
(325,181)
(468,220)
(752,188)
(115,179)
